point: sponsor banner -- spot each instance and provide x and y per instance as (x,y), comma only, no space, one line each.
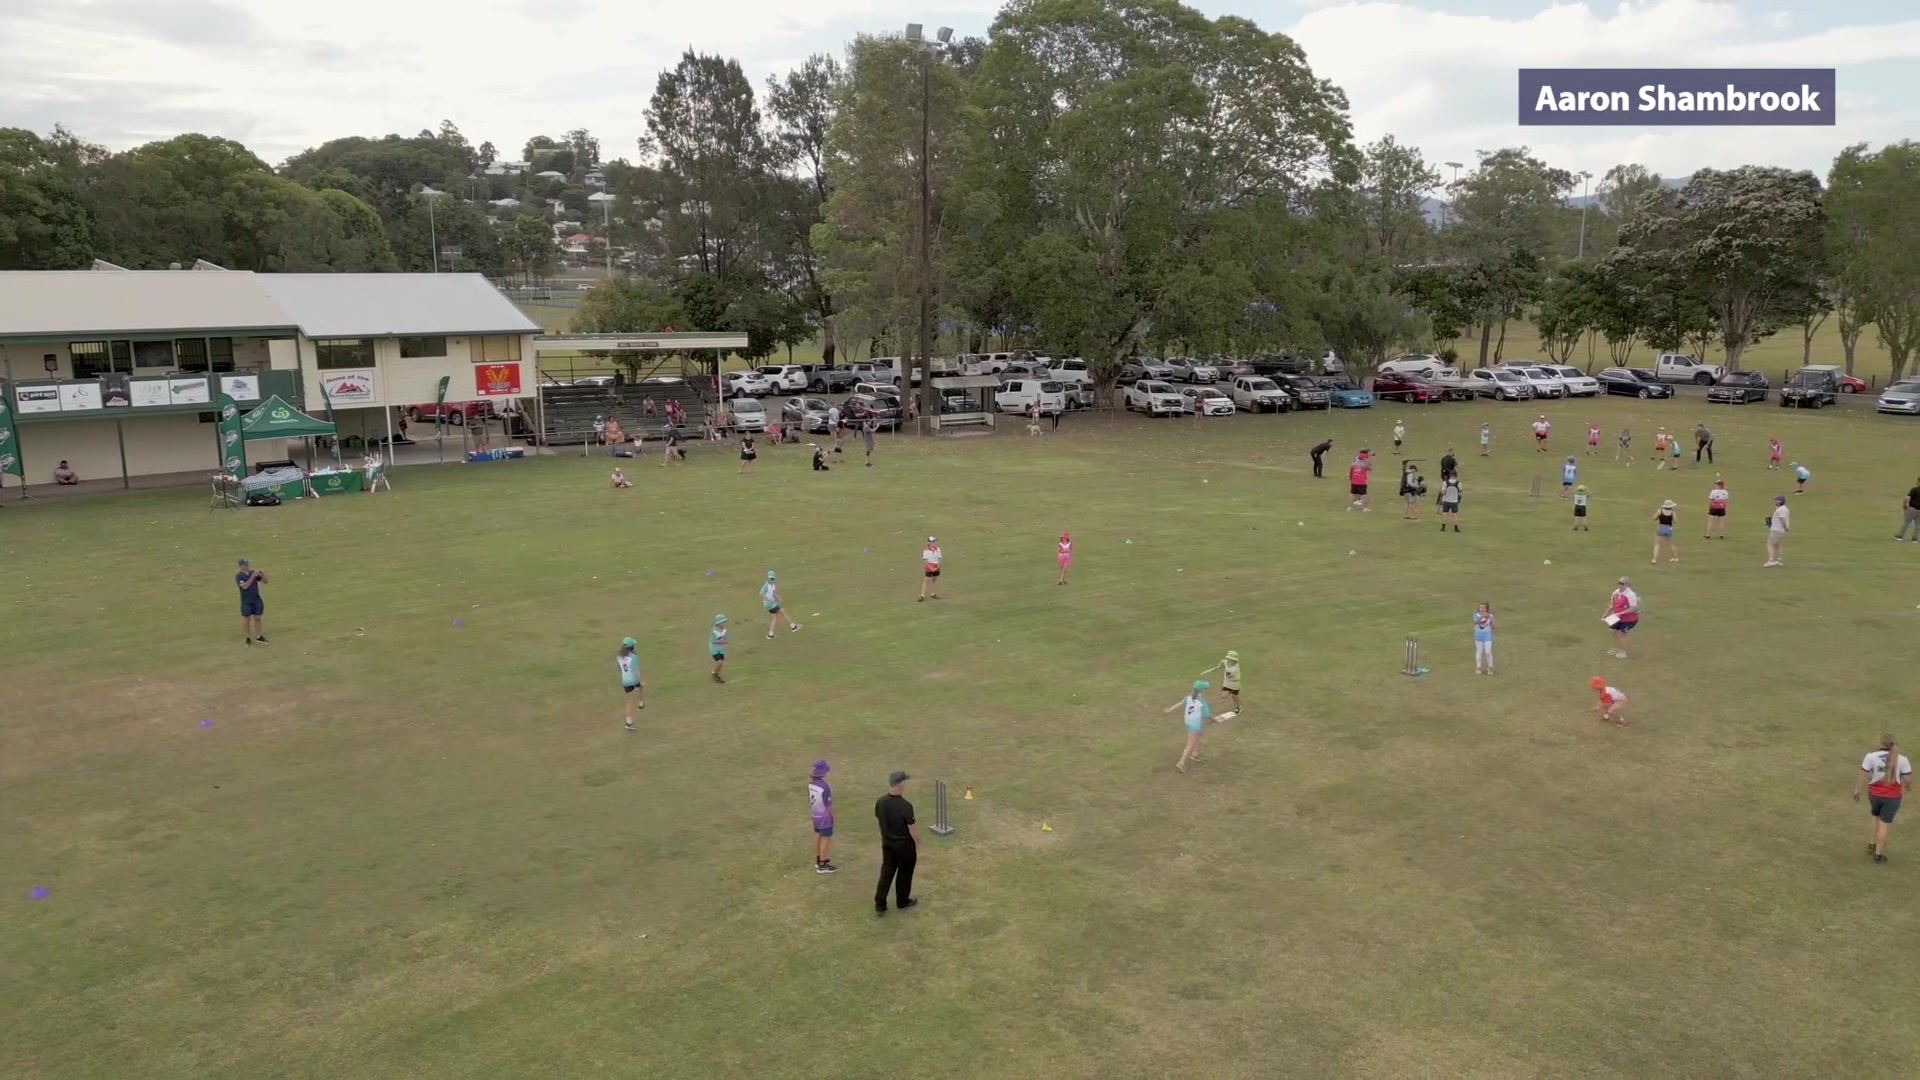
(494,380)
(348,387)
(114,390)
(233,444)
(241,387)
(1677,97)
(147,393)
(189,391)
(9,439)
(79,396)
(36,399)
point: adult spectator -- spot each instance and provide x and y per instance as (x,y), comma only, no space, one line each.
(1448,464)
(899,846)
(1910,514)
(64,475)
(252,607)
(1702,443)
(1778,523)
(1623,614)
(1318,453)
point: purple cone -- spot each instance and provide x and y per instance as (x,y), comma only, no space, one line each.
(38,892)
(206,723)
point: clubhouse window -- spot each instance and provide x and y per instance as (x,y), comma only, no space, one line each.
(416,348)
(344,353)
(489,347)
(153,354)
(92,359)
(204,354)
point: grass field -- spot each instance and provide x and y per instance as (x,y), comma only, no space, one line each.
(1778,353)
(409,838)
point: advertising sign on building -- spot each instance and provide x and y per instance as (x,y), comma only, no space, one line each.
(349,387)
(79,396)
(36,399)
(148,393)
(189,391)
(496,380)
(241,387)
(114,390)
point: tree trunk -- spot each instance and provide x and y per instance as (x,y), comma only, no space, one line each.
(1486,333)
(1734,352)
(827,345)
(1500,346)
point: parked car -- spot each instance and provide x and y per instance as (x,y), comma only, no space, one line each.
(1408,386)
(1902,397)
(885,369)
(785,377)
(1023,369)
(1679,367)
(809,414)
(453,412)
(1739,388)
(1153,397)
(1343,394)
(1279,364)
(745,384)
(1633,382)
(1192,371)
(882,410)
(1256,394)
(1412,364)
(1305,392)
(886,390)
(822,379)
(1231,369)
(1577,382)
(1848,384)
(1020,394)
(1500,384)
(1331,364)
(748,414)
(1208,400)
(1814,386)
(1545,383)
(1456,386)
(985,363)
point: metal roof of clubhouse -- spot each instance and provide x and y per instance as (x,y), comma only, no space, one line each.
(89,303)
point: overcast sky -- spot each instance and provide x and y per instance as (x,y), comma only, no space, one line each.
(282,76)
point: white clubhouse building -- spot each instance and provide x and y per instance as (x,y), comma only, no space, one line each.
(117,371)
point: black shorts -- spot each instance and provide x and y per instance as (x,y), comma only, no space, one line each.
(775,610)
(1450,507)
(748,457)
(933,573)
(631,689)
(1883,807)
(1357,489)
(1579,511)
(1716,511)
(1625,627)
(252,605)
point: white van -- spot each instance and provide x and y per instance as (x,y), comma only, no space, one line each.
(1019,395)
(990,363)
(1073,372)
(1679,367)
(785,377)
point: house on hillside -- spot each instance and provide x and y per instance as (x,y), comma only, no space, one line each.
(594,178)
(508,203)
(506,168)
(549,174)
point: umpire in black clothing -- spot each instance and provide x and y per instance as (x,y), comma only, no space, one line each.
(1319,452)
(899,846)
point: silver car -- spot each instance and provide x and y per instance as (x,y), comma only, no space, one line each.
(1192,371)
(1902,397)
(808,413)
(748,414)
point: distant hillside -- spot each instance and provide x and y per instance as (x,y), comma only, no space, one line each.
(1436,209)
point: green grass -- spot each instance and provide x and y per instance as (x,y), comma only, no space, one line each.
(407,848)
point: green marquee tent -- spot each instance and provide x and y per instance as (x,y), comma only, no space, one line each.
(275,419)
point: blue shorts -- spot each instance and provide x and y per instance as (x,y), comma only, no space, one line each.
(252,605)
(718,655)
(630,689)
(1196,726)
(1663,530)
(1624,626)
(828,831)
(774,610)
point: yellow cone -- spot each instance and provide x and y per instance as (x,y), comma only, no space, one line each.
(1044,827)
(969,795)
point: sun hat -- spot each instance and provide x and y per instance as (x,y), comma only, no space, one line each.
(718,619)
(1200,684)
(628,643)
(1596,682)
(931,540)
(769,575)
(820,767)
(1623,581)
(1668,505)
(1233,656)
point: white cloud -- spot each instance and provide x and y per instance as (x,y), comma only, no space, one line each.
(1464,69)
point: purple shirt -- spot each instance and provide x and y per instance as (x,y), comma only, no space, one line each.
(820,799)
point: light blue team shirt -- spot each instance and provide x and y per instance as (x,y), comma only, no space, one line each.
(1800,473)
(1482,627)
(769,596)
(1196,709)
(717,641)
(1567,473)
(629,664)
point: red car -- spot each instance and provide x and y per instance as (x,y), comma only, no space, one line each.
(1389,386)
(456,412)
(1851,385)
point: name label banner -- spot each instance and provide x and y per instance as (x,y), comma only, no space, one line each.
(1677,97)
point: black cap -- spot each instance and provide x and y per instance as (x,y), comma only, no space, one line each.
(896,778)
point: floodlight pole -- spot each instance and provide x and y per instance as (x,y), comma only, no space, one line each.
(1584,177)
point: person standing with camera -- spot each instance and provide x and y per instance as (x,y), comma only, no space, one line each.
(252,607)
(1412,487)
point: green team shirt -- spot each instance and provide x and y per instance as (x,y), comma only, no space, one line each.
(1229,675)
(1579,498)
